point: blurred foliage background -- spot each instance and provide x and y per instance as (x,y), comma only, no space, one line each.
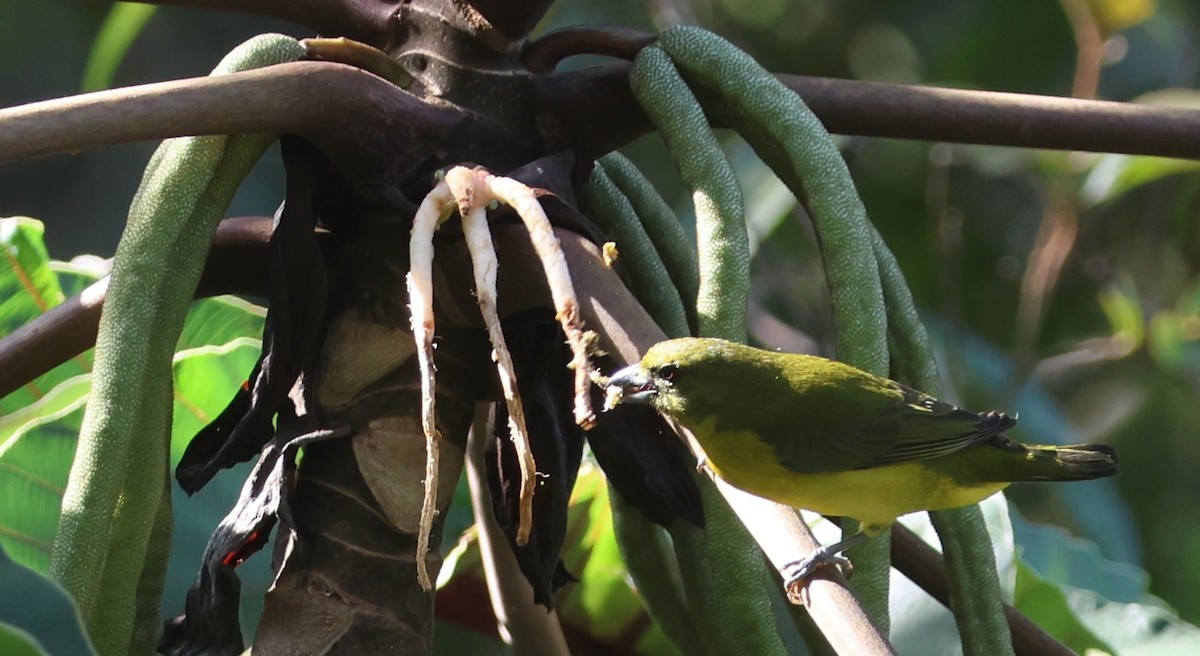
(1062,286)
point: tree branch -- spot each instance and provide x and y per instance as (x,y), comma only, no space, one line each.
(371,130)
(595,106)
(236,264)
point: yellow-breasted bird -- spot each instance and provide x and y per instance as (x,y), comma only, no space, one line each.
(824,436)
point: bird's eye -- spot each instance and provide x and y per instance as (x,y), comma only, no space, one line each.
(667,372)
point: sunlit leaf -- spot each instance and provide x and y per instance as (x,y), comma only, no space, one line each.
(28,288)
(35,459)
(1047,605)
(1116,175)
(206,378)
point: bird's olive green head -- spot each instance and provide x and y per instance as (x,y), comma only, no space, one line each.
(684,377)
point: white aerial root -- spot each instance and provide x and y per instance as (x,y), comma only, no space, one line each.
(566,305)
(470,192)
(433,210)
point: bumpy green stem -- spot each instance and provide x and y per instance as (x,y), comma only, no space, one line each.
(724,253)
(611,209)
(648,557)
(792,141)
(661,225)
(723,573)
(111,513)
(645,546)
(974,584)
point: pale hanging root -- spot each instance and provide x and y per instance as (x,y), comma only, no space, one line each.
(430,214)
(483,262)
(566,305)
(470,192)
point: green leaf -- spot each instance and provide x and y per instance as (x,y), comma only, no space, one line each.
(604,603)
(39,610)
(1114,176)
(122,25)
(1090,602)
(29,287)
(36,452)
(220,320)
(206,378)
(15,642)
(1048,606)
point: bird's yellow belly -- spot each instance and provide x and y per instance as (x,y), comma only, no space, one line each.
(874,496)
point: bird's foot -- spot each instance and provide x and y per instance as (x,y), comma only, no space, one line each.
(796,574)
(702,465)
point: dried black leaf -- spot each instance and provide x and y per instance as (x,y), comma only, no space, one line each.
(294,320)
(209,624)
(540,356)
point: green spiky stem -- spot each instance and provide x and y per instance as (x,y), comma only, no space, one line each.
(974,583)
(721,569)
(661,225)
(115,507)
(792,141)
(614,213)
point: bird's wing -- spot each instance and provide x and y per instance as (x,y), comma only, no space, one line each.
(871,430)
(928,428)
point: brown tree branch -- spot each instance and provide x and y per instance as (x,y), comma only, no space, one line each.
(236,265)
(875,109)
(371,129)
(595,106)
(364,124)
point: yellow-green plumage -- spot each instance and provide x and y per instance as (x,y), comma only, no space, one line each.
(821,435)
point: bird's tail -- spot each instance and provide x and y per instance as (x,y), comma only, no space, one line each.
(1078,462)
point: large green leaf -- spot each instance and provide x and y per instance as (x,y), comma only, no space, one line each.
(29,287)
(35,459)
(36,615)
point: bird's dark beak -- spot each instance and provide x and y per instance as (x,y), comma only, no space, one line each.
(630,385)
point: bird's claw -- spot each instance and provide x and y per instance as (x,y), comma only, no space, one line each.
(796,574)
(702,465)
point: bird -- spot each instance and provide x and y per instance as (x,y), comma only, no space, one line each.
(824,436)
